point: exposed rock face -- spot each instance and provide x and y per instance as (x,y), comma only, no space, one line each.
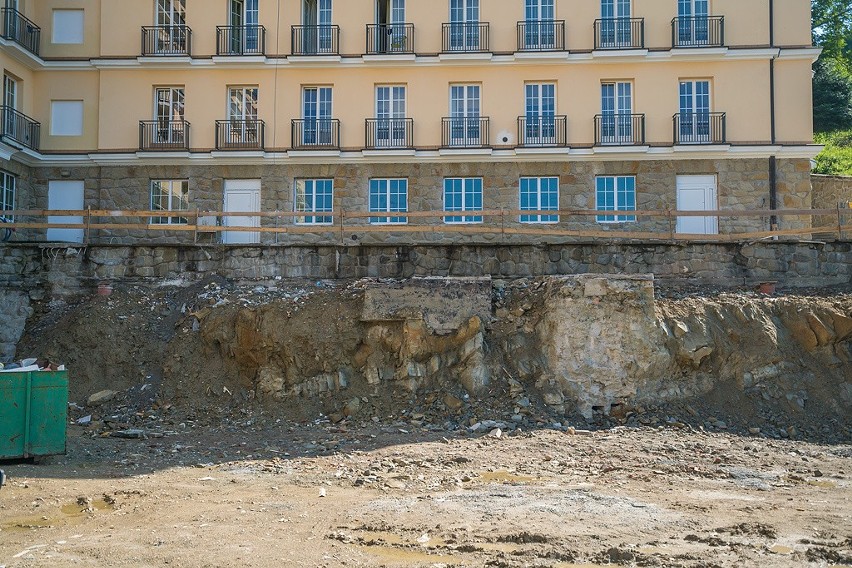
(14,311)
(601,340)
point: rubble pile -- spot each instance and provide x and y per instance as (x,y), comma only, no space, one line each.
(452,355)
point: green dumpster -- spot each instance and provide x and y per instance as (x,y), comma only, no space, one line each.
(33,413)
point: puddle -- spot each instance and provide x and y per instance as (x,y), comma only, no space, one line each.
(505,477)
(649,550)
(407,557)
(823,484)
(377,538)
(72,514)
(780,549)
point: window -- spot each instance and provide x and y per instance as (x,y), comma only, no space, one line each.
(540,103)
(463,194)
(465,125)
(10,101)
(66,118)
(615,24)
(7,194)
(242,126)
(67,27)
(616,113)
(319,36)
(316,114)
(693,24)
(389,196)
(172,196)
(615,193)
(314,196)
(169,106)
(539,194)
(695,112)
(540,28)
(390,117)
(464,25)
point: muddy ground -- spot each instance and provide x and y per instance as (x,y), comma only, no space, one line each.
(259,493)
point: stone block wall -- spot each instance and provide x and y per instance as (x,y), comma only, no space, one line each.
(60,271)
(828,193)
(742,184)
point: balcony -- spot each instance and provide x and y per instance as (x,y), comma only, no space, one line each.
(620,129)
(545,35)
(389,133)
(315,40)
(699,31)
(542,131)
(465,132)
(166,41)
(240,134)
(240,40)
(316,134)
(466,37)
(156,135)
(19,128)
(700,128)
(389,39)
(620,33)
(22,31)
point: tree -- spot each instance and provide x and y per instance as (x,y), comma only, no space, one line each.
(832,29)
(832,96)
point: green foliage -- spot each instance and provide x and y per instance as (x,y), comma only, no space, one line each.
(836,159)
(832,97)
(832,29)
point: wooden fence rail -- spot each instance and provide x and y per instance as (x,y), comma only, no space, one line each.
(500,221)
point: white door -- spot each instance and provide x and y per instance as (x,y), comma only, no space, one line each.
(697,193)
(241,196)
(65,196)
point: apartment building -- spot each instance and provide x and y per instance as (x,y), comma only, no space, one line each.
(379,109)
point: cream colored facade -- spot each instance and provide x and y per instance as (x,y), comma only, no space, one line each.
(758,70)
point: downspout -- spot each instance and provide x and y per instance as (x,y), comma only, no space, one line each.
(773,171)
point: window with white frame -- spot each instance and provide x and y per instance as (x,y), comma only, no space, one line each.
(539,194)
(7,194)
(314,196)
(171,196)
(67,27)
(463,194)
(615,193)
(66,118)
(389,196)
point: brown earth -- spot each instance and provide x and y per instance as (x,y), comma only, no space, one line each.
(276,426)
(251,492)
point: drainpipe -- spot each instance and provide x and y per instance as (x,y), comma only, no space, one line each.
(773,172)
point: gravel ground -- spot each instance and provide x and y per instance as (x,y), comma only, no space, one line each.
(389,494)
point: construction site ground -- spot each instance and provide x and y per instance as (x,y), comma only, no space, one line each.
(263,492)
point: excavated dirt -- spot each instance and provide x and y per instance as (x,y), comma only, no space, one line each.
(560,423)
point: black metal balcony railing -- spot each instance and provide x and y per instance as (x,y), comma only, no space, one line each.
(620,33)
(163,135)
(240,40)
(166,40)
(240,134)
(620,129)
(22,31)
(19,128)
(700,128)
(316,134)
(315,40)
(388,133)
(542,131)
(466,37)
(698,31)
(390,38)
(465,132)
(544,35)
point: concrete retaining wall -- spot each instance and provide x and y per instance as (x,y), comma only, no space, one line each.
(68,270)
